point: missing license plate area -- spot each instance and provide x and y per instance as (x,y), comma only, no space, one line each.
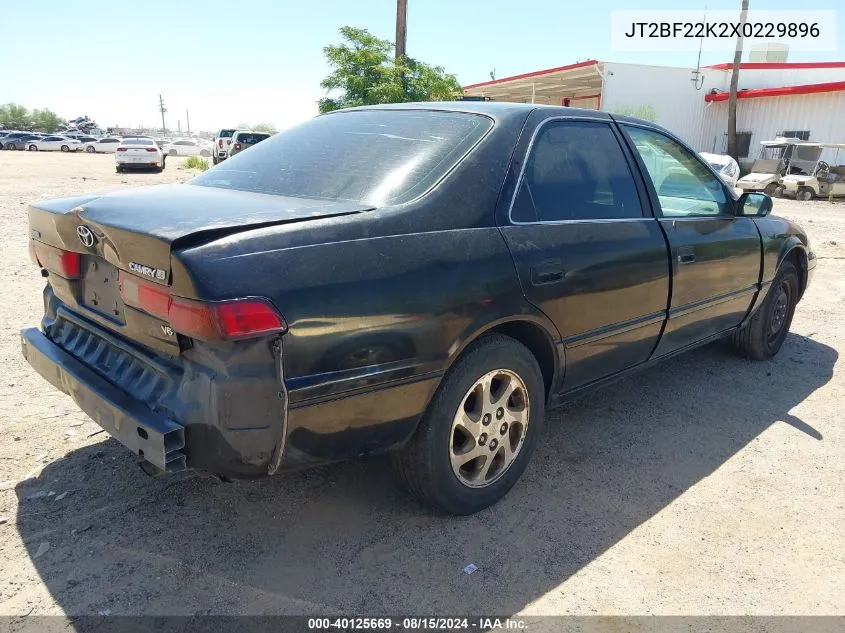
(100,290)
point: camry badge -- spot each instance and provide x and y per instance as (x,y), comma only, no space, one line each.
(148,271)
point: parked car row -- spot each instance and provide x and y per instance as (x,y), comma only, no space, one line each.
(17,140)
(21,140)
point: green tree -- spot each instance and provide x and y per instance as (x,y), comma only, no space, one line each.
(646,112)
(269,128)
(14,116)
(46,121)
(258,127)
(364,72)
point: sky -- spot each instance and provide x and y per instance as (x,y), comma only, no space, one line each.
(253,61)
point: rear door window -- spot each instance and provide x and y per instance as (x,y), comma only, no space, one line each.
(380,157)
(250,139)
(576,171)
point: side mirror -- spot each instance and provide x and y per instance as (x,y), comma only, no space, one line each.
(754,203)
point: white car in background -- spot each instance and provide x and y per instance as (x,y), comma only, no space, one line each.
(138,153)
(54,144)
(187,147)
(103,145)
(725,165)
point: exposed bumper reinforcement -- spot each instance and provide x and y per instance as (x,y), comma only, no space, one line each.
(148,434)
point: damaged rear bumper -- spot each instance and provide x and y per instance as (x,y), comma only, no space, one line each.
(215,408)
(157,439)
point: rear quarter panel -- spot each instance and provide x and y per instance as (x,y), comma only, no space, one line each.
(373,325)
(368,311)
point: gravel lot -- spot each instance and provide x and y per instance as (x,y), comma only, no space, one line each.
(710,485)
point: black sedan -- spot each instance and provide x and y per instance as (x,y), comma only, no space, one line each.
(420,279)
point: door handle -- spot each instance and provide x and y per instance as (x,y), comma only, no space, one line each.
(686,255)
(547,273)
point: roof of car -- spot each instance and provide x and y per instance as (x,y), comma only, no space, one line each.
(490,108)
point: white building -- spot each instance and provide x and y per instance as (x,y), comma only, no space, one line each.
(804,99)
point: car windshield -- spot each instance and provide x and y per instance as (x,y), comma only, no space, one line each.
(251,137)
(226,133)
(381,157)
(138,141)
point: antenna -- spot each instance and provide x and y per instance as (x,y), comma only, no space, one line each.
(696,75)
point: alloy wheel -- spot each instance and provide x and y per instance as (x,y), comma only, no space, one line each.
(489,428)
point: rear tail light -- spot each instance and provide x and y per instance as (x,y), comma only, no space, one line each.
(152,149)
(66,264)
(204,320)
(237,145)
(220,142)
(121,149)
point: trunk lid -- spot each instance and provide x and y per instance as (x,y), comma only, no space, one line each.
(136,230)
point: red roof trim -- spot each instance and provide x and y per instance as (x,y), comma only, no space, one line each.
(785,91)
(777,65)
(538,73)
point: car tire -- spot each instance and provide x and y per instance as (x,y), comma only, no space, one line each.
(90,149)
(33,148)
(770,189)
(804,194)
(425,463)
(778,192)
(764,334)
(214,160)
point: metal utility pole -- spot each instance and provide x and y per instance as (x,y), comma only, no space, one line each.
(187,120)
(401,27)
(162,109)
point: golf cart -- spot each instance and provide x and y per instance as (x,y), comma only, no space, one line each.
(775,161)
(822,181)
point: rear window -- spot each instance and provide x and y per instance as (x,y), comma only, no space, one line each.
(137,141)
(226,133)
(251,138)
(380,157)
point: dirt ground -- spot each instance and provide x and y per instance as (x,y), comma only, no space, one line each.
(710,485)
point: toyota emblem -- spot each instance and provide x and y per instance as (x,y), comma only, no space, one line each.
(85,235)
